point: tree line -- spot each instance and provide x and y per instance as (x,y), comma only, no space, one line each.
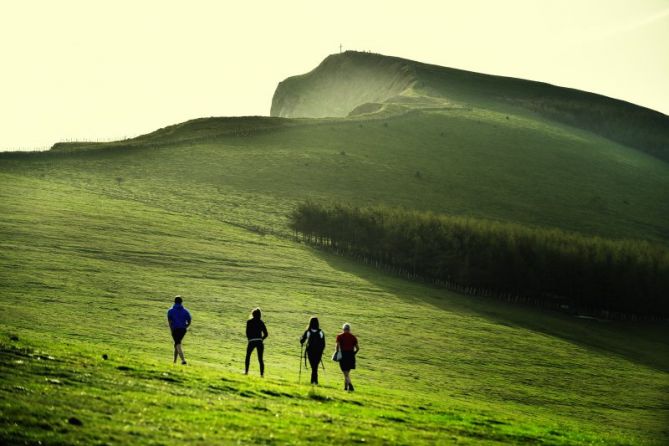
(546,266)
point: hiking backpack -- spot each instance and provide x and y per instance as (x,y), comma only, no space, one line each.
(315,341)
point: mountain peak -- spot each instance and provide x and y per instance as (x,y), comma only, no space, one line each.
(354,83)
(340,83)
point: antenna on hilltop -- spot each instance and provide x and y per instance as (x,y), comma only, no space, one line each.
(340,47)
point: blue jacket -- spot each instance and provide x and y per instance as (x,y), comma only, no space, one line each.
(178,316)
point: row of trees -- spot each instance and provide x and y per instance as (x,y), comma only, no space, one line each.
(590,274)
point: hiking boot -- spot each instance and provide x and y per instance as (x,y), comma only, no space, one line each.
(183,363)
(350,387)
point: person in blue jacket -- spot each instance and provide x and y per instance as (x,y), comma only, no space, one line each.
(179,319)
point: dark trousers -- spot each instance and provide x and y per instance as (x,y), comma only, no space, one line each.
(314,362)
(178,335)
(249,349)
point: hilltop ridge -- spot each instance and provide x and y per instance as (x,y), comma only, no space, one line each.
(357,83)
(341,83)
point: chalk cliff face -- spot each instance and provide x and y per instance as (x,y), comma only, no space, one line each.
(341,83)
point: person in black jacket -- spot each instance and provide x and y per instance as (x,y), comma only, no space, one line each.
(256,332)
(315,339)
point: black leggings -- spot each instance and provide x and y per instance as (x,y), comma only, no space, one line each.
(314,362)
(249,349)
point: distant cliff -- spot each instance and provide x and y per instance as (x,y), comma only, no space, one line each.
(341,83)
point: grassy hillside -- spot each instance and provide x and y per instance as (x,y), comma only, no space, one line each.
(85,274)
(353,83)
(476,163)
(96,238)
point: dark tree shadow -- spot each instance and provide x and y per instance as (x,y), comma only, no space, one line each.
(645,343)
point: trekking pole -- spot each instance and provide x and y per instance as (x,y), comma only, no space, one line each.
(299,378)
(323,365)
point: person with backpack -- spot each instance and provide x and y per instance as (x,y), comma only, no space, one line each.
(178,318)
(315,340)
(347,348)
(256,333)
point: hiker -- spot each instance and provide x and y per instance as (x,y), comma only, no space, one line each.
(256,332)
(347,348)
(179,320)
(315,339)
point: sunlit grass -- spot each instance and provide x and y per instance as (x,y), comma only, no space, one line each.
(95,240)
(86,275)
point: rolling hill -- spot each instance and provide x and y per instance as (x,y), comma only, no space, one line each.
(95,238)
(355,83)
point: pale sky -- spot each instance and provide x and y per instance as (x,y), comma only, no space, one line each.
(105,70)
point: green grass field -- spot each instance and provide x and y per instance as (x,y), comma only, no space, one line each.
(96,239)
(88,276)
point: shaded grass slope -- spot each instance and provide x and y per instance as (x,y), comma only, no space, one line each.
(473,163)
